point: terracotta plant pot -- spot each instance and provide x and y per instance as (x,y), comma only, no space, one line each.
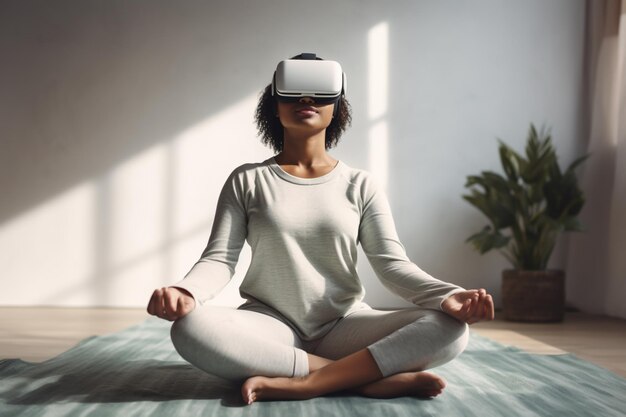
(533,296)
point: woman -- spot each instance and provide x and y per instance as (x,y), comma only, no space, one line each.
(304,330)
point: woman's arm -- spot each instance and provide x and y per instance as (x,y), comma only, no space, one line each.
(217,264)
(386,254)
(379,239)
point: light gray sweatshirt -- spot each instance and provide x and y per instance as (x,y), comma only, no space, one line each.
(303,233)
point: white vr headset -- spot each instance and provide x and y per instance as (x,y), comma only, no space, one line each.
(308,76)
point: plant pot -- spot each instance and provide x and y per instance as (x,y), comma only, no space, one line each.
(533,296)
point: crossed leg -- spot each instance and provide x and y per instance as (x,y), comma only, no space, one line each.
(442,338)
(418,384)
(357,372)
(370,352)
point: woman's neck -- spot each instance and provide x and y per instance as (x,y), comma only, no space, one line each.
(305,151)
(305,157)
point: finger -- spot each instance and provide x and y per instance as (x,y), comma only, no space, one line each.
(489,308)
(473,307)
(476,313)
(468,295)
(463,309)
(480,309)
(471,318)
(486,309)
(463,313)
(154,302)
(162,305)
(169,304)
(171,301)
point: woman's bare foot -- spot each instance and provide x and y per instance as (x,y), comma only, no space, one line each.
(260,388)
(413,384)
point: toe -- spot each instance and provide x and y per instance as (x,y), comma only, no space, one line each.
(247,392)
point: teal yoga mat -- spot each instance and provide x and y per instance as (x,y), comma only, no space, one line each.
(137,372)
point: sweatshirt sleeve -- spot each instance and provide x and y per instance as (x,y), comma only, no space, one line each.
(217,264)
(386,254)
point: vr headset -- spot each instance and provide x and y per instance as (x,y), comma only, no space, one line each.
(309,76)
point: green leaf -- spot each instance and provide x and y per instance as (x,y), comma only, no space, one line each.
(576,163)
(563,196)
(473,180)
(496,183)
(541,157)
(488,239)
(509,161)
(492,207)
(532,147)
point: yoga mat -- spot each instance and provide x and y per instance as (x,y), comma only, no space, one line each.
(137,372)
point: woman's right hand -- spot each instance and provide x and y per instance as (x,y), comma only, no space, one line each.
(171,303)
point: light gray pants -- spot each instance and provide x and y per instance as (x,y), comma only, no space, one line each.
(237,344)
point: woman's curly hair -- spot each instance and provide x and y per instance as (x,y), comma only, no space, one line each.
(271,130)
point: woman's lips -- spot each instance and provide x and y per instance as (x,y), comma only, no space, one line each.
(306,111)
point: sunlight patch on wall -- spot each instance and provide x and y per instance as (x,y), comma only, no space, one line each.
(378,62)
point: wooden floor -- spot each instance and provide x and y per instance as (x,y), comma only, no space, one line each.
(37,334)
(597,339)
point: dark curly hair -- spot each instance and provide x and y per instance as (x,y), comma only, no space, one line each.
(271,130)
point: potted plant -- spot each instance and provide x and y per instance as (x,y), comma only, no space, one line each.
(528,207)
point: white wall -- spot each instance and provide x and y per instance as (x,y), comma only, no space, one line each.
(119,122)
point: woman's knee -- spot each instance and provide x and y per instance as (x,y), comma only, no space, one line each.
(183,332)
(180,331)
(458,333)
(432,339)
(195,335)
(452,336)
(204,339)
(235,344)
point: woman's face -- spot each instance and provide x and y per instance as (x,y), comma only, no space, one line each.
(305,115)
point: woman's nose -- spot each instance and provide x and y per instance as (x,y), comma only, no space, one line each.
(307,100)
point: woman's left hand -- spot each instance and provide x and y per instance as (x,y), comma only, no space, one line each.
(469,306)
